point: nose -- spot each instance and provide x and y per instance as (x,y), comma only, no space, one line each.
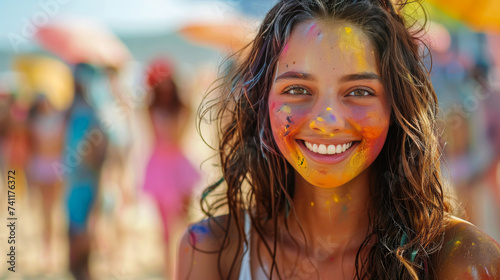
(330,120)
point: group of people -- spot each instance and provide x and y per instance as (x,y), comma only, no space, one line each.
(329,146)
(69,157)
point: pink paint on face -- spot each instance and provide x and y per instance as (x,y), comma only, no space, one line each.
(312,27)
(285,49)
(330,108)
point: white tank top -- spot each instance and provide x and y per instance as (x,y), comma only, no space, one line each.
(245,270)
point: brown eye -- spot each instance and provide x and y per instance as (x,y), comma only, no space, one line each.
(360,92)
(296,90)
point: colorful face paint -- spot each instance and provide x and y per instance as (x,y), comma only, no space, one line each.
(340,117)
(350,42)
(285,49)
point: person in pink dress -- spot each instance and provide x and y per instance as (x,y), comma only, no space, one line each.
(169,177)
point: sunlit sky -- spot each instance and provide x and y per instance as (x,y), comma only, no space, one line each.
(124,17)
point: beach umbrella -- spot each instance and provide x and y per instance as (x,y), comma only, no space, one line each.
(229,35)
(77,40)
(44,75)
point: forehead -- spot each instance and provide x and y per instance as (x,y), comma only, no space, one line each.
(329,43)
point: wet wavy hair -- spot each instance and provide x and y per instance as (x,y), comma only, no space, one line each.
(407,206)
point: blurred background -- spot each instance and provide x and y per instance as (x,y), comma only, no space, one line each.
(97,119)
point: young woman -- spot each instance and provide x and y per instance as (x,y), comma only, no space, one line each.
(330,158)
(46,135)
(169,177)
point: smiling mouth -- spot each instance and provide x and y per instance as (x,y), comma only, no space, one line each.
(323,149)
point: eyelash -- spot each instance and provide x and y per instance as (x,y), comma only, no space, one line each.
(364,89)
(295,87)
(290,88)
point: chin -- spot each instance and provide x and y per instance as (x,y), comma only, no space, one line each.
(325,179)
(326,182)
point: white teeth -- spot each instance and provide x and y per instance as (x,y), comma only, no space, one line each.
(330,149)
(322,149)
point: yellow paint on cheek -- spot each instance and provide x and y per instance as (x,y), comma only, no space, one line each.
(358,159)
(286,109)
(320,119)
(328,108)
(301,160)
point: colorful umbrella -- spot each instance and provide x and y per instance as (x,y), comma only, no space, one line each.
(78,40)
(231,35)
(43,75)
(479,15)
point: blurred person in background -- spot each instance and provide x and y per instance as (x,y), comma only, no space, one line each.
(169,177)
(46,131)
(15,143)
(117,188)
(85,147)
(6,101)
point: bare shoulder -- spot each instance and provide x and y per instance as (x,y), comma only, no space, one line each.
(467,253)
(198,251)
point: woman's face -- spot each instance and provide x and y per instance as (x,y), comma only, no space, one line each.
(328,109)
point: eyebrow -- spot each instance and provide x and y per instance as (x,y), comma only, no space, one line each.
(360,76)
(291,75)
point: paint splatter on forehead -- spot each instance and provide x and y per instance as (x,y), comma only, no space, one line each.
(350,41)
(343,45)
(311,28)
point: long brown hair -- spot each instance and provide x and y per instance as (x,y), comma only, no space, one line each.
(407,205)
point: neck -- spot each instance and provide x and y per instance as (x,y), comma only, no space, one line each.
(335,215)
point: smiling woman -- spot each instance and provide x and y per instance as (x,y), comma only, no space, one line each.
(339,116)
(330,158)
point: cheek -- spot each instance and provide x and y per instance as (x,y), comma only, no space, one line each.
(285,123)
(279,113)
(373,126)
(285,119)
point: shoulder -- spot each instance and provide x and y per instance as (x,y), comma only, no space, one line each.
(467,253)
(200,246)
